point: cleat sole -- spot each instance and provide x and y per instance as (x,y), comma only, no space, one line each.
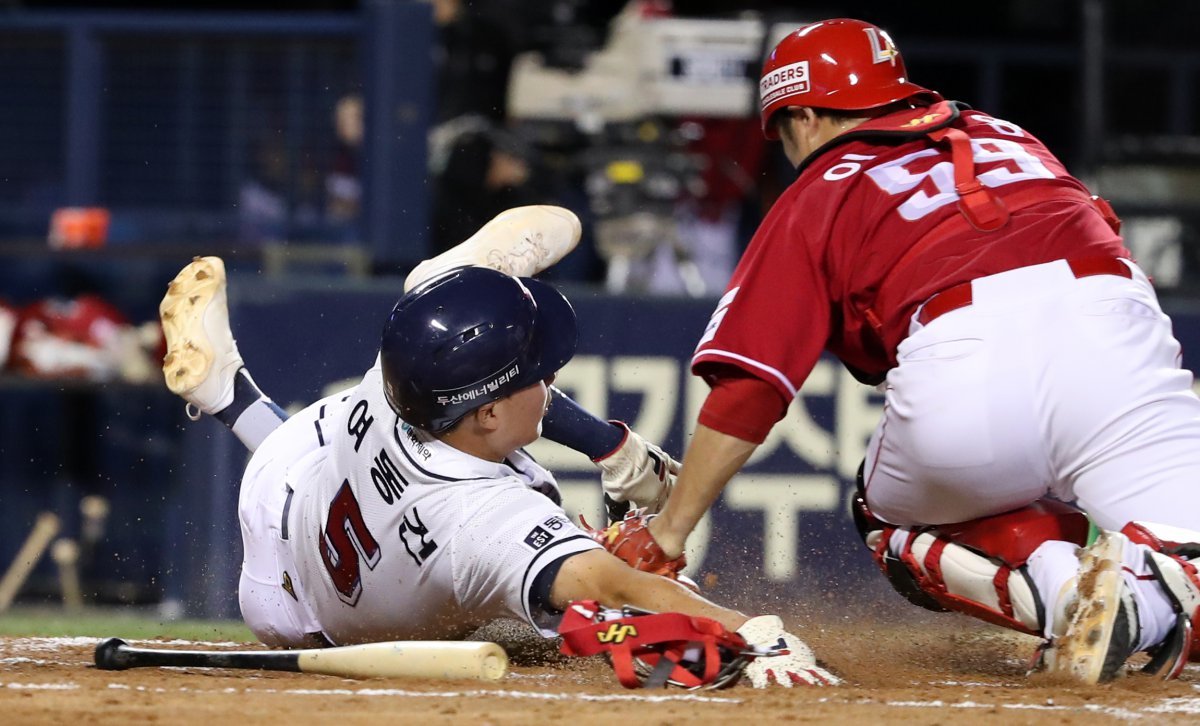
(188,361)
(1095,645)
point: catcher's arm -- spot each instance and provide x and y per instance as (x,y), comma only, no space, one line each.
(598,575)
(710,462)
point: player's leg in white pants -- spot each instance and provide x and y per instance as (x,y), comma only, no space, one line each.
(1139,456)
(1046,384)
(272,600)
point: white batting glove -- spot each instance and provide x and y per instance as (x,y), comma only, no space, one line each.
(794,662)
(638,472)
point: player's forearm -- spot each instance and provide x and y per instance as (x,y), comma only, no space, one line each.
(711,461)
(597,575)
(660,595)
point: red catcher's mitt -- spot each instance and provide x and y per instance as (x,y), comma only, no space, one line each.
(630,540)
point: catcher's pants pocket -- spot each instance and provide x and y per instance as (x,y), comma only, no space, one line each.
(938,409)
(1122,307)
(938,350)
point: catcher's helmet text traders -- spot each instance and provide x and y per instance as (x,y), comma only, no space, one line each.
(837,64)
(469,337)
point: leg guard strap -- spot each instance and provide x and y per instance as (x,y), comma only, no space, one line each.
(1171,560)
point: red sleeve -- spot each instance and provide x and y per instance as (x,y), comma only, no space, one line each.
(742,406)
(774,319)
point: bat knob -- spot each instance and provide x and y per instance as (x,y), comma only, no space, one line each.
(110,655)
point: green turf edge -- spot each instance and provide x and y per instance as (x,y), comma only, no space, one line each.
(104,624)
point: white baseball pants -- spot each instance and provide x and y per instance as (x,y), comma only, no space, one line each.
(1045,384)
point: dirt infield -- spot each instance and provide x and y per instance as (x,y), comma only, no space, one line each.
(931,669)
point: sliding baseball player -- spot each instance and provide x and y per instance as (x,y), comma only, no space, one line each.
(405,507)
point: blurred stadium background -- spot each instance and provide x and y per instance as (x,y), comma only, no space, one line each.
(323,148)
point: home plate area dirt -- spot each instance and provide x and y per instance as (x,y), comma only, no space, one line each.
(922,669)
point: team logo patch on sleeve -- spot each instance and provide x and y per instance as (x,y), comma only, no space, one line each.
(538,538)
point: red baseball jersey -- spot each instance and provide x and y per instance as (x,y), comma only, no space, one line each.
(872,227)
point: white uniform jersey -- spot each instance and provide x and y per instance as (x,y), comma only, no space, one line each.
(394,535)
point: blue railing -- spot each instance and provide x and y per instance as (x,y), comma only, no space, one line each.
(218,128)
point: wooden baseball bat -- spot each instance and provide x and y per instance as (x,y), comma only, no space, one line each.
(398,659)
(44,530)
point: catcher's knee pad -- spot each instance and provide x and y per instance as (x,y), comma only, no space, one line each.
(977,567)
(1174,541)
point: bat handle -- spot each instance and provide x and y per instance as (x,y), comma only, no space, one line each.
(110,655)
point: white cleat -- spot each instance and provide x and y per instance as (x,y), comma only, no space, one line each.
(521,241)
(202,357)
(1103,628)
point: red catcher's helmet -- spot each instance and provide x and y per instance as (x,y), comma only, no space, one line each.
(840,64)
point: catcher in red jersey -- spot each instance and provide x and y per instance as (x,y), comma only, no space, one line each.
(949,258)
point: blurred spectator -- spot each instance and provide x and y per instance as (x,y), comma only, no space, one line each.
(479,170)
(343,186)
(84,337)
(714,225)
(280,200)
(484,170)
(8,326)
(262,206)
(637,175)
(473,59)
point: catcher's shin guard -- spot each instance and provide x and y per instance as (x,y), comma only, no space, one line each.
(897,573)
(977,567)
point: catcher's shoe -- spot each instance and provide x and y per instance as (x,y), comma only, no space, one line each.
(1103,626)
(521,241)
(202,358)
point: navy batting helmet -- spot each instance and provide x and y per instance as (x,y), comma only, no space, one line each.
(469,337)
